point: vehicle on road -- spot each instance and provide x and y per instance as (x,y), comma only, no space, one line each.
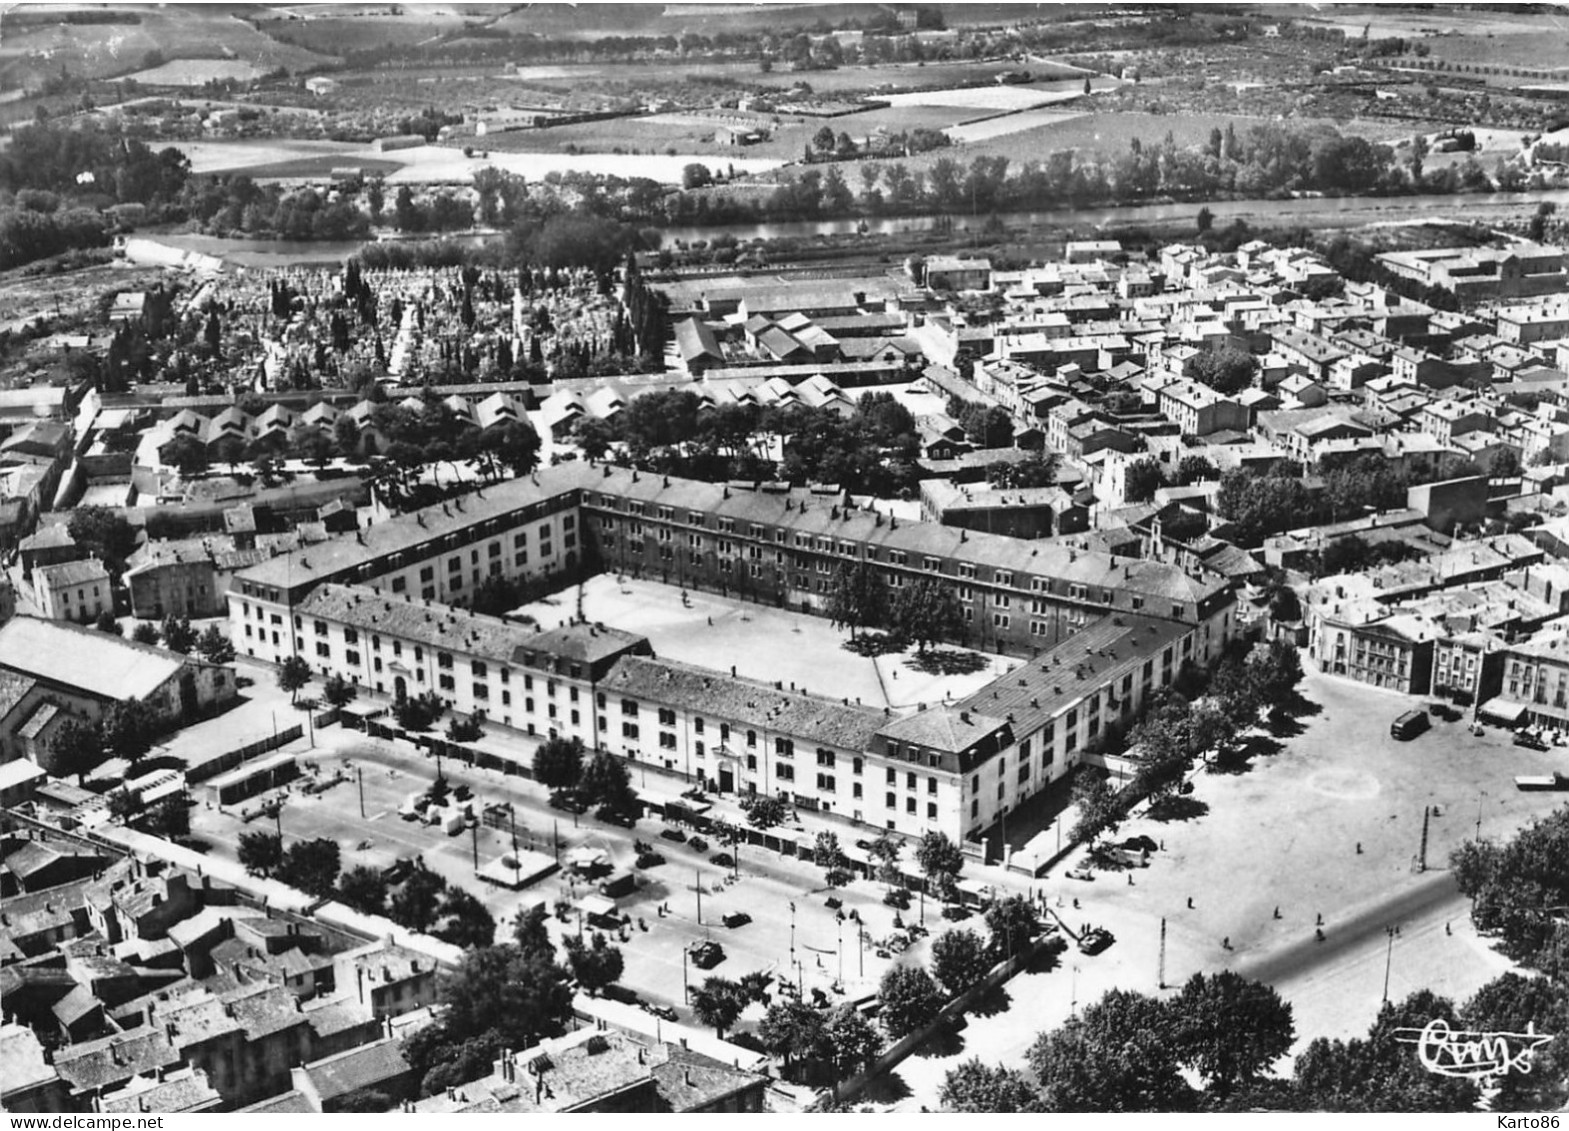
(1095,940)
(673,834)
(736,919)
(707,955)
(698,843)
(649,860)
(1535,782)
(723,859)
(1530,740)
(666,1012)
(567,800)
(1410,724)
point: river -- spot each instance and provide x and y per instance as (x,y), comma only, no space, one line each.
(1342,210)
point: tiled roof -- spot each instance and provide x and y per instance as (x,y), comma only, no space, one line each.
(72,573)
(185,1091)
(1086,661)
(945,729)
(688,1080)
(289,1103)
(744,701)
(108,1060)
(13,686)
(436,626)
(22,1063)
(99,663)
(364,1067)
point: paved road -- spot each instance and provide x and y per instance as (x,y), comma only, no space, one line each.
(1292,962)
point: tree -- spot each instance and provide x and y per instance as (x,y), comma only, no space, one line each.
(764,811)
(558,763)
(464,729)
(959,960)
(827,854)
(128,728)
(1206,218)
(910,1000)
(293,674)
(1515,888)
(215,647)
(465,921)
(260,852)
(123,805)
(857,597)
(718,1002)
(695,175)
(146,633)
(1511,1003)
(1380,1073)
(363,889)
(338,691)
(77,748)
(1141,479)
(1275,670)
(1228,370)
(170,818)
(1012,923)
(885,850)
(1116,1056)
(107,623)
(1230,1029)
(596,965)
(520,996)
(927,612)
(178,635)
(1100,809)
(529,932)
(941,861)
(794,1030)
(854,1043)
(104,533)
(312,866)
(973,1087)
(417,902)
(605,784)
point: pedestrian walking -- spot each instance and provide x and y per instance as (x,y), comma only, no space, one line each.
(1277,913)
(1130,879)
(1225,943)
(1447,931)
(1359,848)
(1319,922)
(1318,934)
(1190,903)
(1075,903)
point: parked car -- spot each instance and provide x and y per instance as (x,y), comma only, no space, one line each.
(723,859)
(673,834)
(398,870)
(1141,843)
(649,860)
(463,793)
(1095,940)
(736,919)
(667,1012)
(698,843)
(1530,740)
(707,955)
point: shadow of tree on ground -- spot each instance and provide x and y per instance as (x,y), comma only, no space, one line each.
(947,661)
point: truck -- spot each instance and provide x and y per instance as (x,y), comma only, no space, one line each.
(1410,724)
(453,821)
(410,809)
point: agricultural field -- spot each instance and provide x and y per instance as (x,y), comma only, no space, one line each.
(337,32)
(246,156)
(1008,124)
(198,72)
(30,53)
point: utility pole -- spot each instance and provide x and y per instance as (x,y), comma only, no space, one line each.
(1421,860)
(792,932)
(1162,974)
(474,829)
(1389,955)
(698,872)
(556,839)
(359,774)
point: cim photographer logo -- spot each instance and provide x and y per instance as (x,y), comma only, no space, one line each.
(1469,1055)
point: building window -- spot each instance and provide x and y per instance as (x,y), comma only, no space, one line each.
(628,730)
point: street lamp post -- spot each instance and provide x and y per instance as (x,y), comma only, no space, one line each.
(1481,793)
(1389,955)
(698,872)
